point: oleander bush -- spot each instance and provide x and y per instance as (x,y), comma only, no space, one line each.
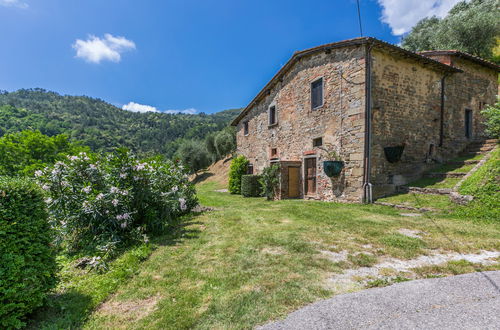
(250,186)
(27,259)
(238,168)
(97,203)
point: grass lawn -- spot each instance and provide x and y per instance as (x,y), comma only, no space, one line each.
(435,182)
(441,202)
(250,261)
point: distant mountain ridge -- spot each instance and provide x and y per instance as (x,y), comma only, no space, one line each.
(103,126)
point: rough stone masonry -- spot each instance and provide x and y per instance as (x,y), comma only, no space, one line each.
(374,97)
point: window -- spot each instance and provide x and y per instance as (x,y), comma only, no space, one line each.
(272,115)
(318,142)
(245,128)
(317,93)
(274,152)
(250,169)
(468,123)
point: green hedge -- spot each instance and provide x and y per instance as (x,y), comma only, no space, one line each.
(238,168)
(250,186)
(27,259)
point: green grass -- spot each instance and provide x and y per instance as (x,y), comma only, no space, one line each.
(453,168)
(362,259)
(79,291)
(484,184)
(399,244)
(435,183)
(248,262)
(438,202)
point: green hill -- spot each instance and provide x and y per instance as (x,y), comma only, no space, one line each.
(101,125)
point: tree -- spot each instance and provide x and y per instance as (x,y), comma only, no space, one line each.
(420,37)
(210,146)
(472,27)
(27,151)
(225,141)
(193,154)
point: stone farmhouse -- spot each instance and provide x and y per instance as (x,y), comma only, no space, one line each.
(387,113)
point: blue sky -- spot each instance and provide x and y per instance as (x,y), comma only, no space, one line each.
(203,55)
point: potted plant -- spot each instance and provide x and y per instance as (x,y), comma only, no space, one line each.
(393,154)
(333,165)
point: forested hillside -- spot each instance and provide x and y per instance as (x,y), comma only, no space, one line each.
(101,125)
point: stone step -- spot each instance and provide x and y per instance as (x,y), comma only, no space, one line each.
(471,153)
(476,149)
(465,162)
(445,175)
(405,207)
(425,191)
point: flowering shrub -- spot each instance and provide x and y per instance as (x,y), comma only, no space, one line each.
(100,202)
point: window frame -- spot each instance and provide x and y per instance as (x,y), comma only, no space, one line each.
(246,129)
(271,124)
(320,138)
(322,92)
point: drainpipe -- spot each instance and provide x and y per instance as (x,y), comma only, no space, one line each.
(367,186)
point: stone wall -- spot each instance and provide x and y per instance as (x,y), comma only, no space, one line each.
(471,89)
(406,99)
(340,121)
(406,109)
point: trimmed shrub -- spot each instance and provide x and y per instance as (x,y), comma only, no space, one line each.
(250,186)
(99,203)
(239,167)
(27,260)
(492,115)
(270,180)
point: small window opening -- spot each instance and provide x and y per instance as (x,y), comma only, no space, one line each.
(431,150)
(250,169)
(272,115)
(245,128)
(318,142)
(317,93)
(468,123)
(274,152)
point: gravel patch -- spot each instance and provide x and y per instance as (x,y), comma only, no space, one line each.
(410,233)
(353,279)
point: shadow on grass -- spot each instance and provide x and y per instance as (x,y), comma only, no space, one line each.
(72,307)
(62,311)
(202,177)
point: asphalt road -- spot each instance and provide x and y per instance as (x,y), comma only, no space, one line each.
(470,301)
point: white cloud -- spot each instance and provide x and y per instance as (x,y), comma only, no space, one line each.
(190,111)
(14,3)
(402,15)
(136,107)
(96,49)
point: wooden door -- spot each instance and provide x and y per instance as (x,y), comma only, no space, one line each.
(310,176)
(293,182)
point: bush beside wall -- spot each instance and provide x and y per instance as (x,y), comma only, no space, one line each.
(27,259)
(239,167)
(250,186)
